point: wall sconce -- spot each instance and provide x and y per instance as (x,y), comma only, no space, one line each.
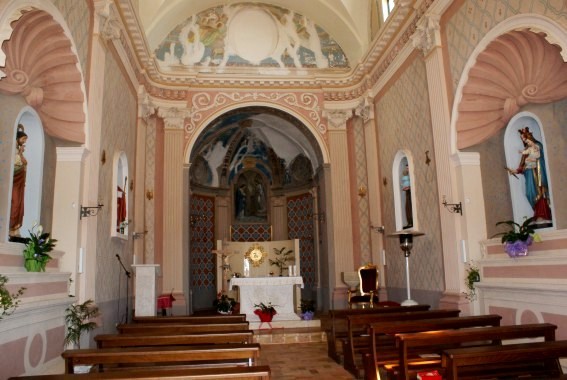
(194,218)
(89,210)
(150,195)
(453,207)
(362,190)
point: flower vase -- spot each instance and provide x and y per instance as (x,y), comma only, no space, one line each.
(307,316)
(264,317)
(517,249)
(33,265)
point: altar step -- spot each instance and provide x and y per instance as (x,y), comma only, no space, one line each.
(280,332)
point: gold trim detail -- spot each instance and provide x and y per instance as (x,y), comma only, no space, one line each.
(256,254)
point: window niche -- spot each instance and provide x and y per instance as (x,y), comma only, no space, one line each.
(120,199)
(530,184)
(404,196)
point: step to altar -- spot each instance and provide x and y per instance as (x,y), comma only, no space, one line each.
(280,332)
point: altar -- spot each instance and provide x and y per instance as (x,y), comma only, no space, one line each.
(277,290)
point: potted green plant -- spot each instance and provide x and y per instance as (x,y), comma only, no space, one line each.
(307,309)
(473,276)
(519,237)
(8,301)
(265,312)
(36,252)
(224,304)
(282,258)
(78,320)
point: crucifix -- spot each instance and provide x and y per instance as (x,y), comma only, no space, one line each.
(225,256)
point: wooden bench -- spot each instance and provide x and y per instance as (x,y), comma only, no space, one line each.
(204,373)
(217,354)
(139,340)
(192,319)
(420,349)
(339,327)
(540,360)
(176,329)
(355,342)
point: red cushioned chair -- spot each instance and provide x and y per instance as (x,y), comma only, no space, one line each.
(367,292)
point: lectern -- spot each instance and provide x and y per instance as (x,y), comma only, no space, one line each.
(406,244)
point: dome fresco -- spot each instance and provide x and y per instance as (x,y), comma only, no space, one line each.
(249,35)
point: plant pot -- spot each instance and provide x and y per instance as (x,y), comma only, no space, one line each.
(32,265)
(516,249)
(264,317)
(307,316)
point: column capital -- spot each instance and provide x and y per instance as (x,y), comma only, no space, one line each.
(365,109)
(146,107)
(337,118)
(427,36)
(107,24)
(174,117)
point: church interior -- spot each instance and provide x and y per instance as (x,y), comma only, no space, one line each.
(160,156)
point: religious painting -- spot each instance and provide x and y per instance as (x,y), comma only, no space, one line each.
(250,201)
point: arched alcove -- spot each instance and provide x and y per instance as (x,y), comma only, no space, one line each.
(120,184)
(404,196)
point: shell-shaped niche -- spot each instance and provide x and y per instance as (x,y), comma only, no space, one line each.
(517,68)
(41,66)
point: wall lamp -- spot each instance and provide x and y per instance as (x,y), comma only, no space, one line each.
(453,207)
(89,210)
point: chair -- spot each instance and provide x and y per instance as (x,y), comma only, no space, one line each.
(367,292)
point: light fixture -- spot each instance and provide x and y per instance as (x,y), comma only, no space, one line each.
(406,244)
(89,210)
(453,207)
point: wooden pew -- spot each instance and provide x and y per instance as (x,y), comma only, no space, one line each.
(210,354)
(139,340)
(176,329)
(355,343)
(540,360)
(382,349)
(412,346)
(241,373)
(339,327)
(192,319)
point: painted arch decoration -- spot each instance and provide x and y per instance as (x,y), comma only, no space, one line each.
(249,35)
(515,69)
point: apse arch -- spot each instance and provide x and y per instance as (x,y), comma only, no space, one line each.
(553,33)
(304,125)
(62,117)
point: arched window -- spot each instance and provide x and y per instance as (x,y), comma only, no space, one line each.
(530,185)
(122,192)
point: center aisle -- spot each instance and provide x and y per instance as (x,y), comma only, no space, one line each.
(301,361)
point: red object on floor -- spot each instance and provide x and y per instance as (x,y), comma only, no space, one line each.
(165,301)
(430,375)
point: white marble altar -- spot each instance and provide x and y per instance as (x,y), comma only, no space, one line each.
(145,289)
(277,290)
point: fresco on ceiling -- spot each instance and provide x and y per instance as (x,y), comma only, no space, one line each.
(249,35)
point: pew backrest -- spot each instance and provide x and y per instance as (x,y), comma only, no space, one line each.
(455,360)
(173,329)
(139,340)
(218,353)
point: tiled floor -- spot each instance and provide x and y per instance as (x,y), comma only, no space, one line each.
(301,361)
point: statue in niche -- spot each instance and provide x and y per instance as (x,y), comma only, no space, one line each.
(532,167)
(19,183)
(406,188)
(250,201)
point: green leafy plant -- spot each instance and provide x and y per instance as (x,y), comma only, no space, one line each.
(8,301)
(78,320)
(473,276)
(224,303)
(36,253)
(282,258)
(519,236)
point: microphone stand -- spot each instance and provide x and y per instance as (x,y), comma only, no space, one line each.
(127,281)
